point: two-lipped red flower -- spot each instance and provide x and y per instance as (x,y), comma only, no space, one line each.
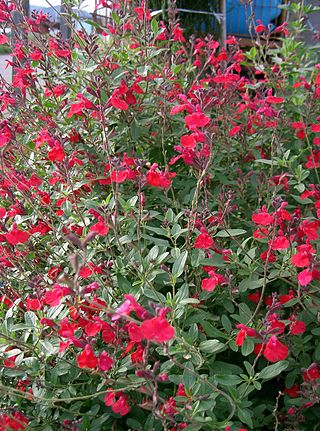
(157,330)
(204,240)
(120,405)
(53,297)
(78,107)
(304,256)
(274,350)
(56,154)
(293,392)
(273,100)
(244,332)
(105,362)
(209,284)
(15,421)
(262,217)
(87,358)
(33,304)
(159,179)
(101,228)
(196,120)
(311,373)
(305,277)
(16,236)
(92,328)
(279,243)
(296,327)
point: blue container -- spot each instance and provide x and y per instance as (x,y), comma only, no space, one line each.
(238,14)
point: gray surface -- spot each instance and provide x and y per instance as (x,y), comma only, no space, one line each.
(5,72)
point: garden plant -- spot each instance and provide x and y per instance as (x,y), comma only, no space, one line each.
(159,233)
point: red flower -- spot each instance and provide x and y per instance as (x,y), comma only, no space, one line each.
(53,297)
(16,421)
(87,358)
(105,362)
(120,406)
(241,337)
(198,119)
(234,131)
(17,236)
(157,330)
(92,328)
(293,392)
(56,154)
(273,100)
(262,218)
(3,39)
(303,257)
(100,228)
(254,297)
(279,243)
(204,240)
(188,141)
(244,331)
(211,283)
(297,327)
(305,277)
(311,374)
(66,328)
(54,272)
(274,350)
(158,179)
(33,304)
(260,27)
(118,103)
(178,34)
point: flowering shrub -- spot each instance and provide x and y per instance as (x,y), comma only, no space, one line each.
(160,214)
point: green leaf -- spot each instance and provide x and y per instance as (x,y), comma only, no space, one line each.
(245,416)
(189,378)
(31,319)
(179,264)
(273,370)
(247,347)
(230,232)
(227,325)
(248,283)
(197,256)
(154,26)
(215,260)
(211,346)
(228,380)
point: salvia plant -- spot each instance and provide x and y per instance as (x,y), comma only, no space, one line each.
(159,233)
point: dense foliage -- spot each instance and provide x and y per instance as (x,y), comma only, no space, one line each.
(160,214)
